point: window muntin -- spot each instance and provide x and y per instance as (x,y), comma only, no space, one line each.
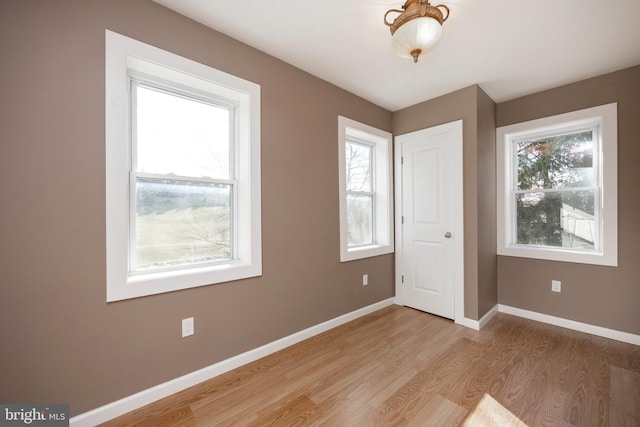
(556,190)
(365,191)
(360,193)
(557,187)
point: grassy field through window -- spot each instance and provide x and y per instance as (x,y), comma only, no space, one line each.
(183,236)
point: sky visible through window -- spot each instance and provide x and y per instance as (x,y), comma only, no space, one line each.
(181,136)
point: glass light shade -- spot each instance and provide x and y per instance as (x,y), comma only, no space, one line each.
(419,33)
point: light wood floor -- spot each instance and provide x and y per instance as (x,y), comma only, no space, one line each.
(403,367)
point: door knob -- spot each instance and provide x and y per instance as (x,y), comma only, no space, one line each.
(448,235)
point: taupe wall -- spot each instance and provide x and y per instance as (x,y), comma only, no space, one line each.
(486,217)
(61,342)
(477,111)
(602,296)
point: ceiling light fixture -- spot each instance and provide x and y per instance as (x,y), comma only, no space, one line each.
(417,29)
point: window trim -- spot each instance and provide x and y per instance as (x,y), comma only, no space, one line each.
(606,118)
(122,55)
(382,185)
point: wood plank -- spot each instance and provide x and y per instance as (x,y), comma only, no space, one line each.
(171,416)
(490,412)
(436,378)
(296,411)
(438,412)
(399,366)
(625,397)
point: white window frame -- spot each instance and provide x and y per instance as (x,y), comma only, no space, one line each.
(125,57)
(603,118)
(382,185)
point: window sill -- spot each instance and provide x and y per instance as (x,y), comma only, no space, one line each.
(365,252)
(561,255)
(140,285)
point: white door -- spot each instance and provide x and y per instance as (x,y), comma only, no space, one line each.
(431,227)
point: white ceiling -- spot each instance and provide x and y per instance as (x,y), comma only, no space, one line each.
(510,47)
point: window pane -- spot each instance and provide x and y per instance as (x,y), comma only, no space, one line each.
(563,219)
(181,223)
(556,161)
(181,136)
(358,159)
(359,219)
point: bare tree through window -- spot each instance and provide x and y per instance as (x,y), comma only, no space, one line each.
(360,193)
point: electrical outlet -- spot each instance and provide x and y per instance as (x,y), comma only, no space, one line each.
(187,327)
(556,285)
(365,279)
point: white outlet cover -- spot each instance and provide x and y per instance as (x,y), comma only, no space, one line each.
(187,327)
(556,285)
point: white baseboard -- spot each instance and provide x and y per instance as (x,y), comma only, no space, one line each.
(145,397)
(478,324)
(469,323)
(465,321)
(571,324)
(489,315)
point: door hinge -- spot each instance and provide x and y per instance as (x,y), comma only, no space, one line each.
(402,278)
(402,160)
(402,219)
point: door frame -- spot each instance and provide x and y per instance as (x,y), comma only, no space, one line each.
(458,215)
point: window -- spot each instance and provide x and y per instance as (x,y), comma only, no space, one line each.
(365,191)
(360,195)
(182,186)
(557,187)
(182,172)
